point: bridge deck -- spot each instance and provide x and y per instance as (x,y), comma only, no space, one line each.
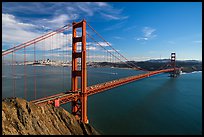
(66,97)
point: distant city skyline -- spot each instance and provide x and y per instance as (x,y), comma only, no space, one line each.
(138,30)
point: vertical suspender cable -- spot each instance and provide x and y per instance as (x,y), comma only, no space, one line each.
(67,45)
(34,72)
(66,55)
(88,61)
(44,68)
(52,59)
(63,43)
(13,74)
(25,95)
(110,68)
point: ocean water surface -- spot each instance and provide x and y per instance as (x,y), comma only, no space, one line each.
(155,105)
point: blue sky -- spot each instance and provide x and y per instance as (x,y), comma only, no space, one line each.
(138,30)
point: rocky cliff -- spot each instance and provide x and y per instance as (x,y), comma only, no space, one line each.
(20,117)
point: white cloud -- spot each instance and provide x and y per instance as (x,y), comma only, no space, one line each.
(91,48)
(67,45)
(101,4)
(92,8)
(142,38)
(103,44)
(15,31)
(114,17)
(54,15)
(85,8)
(148,33)
(58,21)
(111,50)
(9,20)
(88,48)
(110,16)
(52,10)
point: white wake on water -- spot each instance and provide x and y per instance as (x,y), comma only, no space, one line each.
(182,73)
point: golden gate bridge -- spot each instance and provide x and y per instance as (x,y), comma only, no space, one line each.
(57,41)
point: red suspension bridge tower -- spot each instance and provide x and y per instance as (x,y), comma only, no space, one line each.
(173,64)
(79,105)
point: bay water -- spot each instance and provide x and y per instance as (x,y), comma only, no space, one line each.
(155,105)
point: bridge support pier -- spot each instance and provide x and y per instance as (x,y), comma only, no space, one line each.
(79,105)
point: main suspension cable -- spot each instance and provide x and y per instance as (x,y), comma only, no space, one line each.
(106,49)
(114,48)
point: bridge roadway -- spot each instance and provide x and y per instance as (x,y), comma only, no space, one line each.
(68,96)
